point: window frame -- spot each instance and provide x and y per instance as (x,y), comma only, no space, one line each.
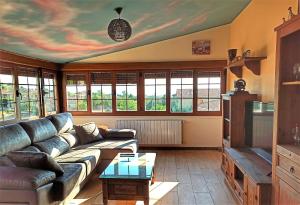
(55,90)
(140,92)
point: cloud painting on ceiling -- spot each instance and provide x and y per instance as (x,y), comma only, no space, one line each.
(68,30)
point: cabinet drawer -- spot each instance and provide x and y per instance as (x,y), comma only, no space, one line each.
(238,191)
(284,175)
(288,154)
(290,166)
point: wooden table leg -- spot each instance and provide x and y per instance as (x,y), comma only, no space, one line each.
(105,191)
(146,196)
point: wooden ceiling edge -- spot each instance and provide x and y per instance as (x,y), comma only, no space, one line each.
(145,65)
(18,59)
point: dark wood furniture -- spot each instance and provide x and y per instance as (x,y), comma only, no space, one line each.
(248,176)
(286,155)
(251,63)
(128,177)
(234,118)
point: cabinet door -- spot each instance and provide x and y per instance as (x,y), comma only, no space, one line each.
(287,195)
(252,198)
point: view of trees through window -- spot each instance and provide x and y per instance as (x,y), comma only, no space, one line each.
(49,93)
(155,91)
(182,91)
(126,91)
(101,90)
(76,92)
(7,96)
(28,89)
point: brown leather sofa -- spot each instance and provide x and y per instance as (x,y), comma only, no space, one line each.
(55,136)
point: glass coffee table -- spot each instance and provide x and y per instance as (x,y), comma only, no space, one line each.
(128,177)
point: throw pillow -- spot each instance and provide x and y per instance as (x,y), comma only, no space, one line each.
(35,160)
(88,133)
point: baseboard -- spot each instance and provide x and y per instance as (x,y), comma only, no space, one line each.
(179,148)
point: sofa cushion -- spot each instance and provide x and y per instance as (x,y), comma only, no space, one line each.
(120,134)
(5,161)
(21,178)
(71,137)
(110,148)
(13,137)
(88,133)
(87,156)
(39,130)
(63,122)
(54,146)
(31,149)
(74,174)
(35,160)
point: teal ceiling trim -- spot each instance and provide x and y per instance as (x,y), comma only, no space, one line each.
(68,30)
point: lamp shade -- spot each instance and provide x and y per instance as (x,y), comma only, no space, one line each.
(119,30)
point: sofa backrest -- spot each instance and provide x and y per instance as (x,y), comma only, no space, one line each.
(39,130)
(63,122)
(12,138)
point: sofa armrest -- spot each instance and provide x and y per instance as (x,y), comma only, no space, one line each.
(120,134)
(24,178)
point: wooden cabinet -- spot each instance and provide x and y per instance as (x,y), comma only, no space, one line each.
(234,118)
(286,155)
(247,175)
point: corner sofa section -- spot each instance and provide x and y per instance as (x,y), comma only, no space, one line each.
(55,136)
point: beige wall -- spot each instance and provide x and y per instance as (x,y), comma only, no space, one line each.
(198,131)
(254,29)
(176,49)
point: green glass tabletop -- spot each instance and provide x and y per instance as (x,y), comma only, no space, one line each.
(130,166)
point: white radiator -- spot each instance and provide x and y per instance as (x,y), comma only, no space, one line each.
(155,132)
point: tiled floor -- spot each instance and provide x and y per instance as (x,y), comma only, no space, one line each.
(182,177)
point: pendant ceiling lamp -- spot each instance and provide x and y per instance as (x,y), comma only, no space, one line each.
(119,29)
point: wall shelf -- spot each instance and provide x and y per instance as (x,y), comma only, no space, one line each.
(252,63)
(291,83)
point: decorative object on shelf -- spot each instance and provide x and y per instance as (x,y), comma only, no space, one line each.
(296,135)
(246,53)
(119,29)
(232,54)
(239,85)
(296,71)
(291,14)
(201,47)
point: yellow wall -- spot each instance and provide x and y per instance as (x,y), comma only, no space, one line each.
(254,29)
(176,49)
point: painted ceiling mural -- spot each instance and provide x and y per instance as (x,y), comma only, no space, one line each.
(69,30)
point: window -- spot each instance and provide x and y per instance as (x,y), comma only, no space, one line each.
(7,96)
(181,92)
(126,91)
(28,90)
(101,89)
(49,93)
(76,92)
(155,91)
(209,91)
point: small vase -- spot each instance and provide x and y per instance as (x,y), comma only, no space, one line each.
(232,54)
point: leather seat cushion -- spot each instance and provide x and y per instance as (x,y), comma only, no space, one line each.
(13,137)
(54,146)
(110,148)
(63,122)
(74,174)
(39,130)
(31,149)
(87,156)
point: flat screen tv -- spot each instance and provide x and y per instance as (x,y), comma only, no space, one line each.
(259,128)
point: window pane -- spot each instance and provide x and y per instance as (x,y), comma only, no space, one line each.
(8,92)
(97,106)
(132,105)
(203,91)
(214,104)
(23,89)
(24,109)
(187,80)
(176,81)
(121,105)
(202,104)
(215,80)
(107,106)
(81,92)
(150,91)
(9,111)
(175,105)
(71,92)
(106,91)
(150,105)
(33,92)
(96,92)
(22,80)
(121,92)
(34,109)
(161,105)
(6,78)
(132,92)
(160,91)
(187,105)
(214,91)
(82,105)
(161,81)
(150,81)
(72,105)
(175,91)
(203,80)
(187,91)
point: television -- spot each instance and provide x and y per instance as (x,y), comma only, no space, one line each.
(259,128)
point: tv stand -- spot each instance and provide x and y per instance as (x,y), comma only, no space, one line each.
(247,175)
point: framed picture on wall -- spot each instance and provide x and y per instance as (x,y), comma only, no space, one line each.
(201,47)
